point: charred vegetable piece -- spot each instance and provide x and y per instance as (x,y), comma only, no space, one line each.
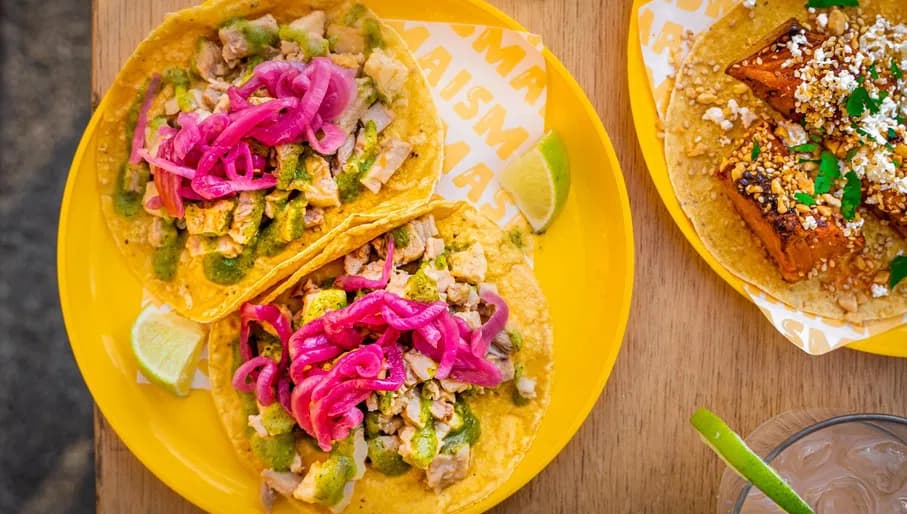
(276,420)
(288,164)
(210,219)
(317,303)
(291,222)
(250,207)
(330,482)
(765,71)
(382,453)
(795,249)
(421,287)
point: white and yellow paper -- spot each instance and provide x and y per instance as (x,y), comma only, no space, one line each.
(663,26)
(490,86)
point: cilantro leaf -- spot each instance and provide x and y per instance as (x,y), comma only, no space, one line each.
(858,102)
(804,148)
(756,150)
(820,4)
(853,195)
(895,69)
(898,268)
(873,72)
(804,198)
(851,154)
(829,171)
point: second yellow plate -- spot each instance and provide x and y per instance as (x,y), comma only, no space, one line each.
(890,343)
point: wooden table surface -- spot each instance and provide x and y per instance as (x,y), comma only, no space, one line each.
(692,341)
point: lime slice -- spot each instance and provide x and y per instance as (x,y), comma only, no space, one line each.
(746,463)
(539,181)
(166,346)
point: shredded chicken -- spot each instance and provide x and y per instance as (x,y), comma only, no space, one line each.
(525,386)
(413,408)
(471,318)
(380,115)
(236,44)
(281,481)
(209,62)
(470,264)
(434,247)
(446,470)
(314,216)
(458,293)
(355,260)
(321,191)
(453,386)
(392,155)
(441,410)
(257,425)
(423,367)
(397,282)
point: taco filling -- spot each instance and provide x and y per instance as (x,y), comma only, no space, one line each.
(271,126)
(815,166)
(376,368)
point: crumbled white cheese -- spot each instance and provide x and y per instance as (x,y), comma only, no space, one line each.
(853,227)
(716,116)
(822,20)
(795,44)
(724,140)
(749,4)
(878,290)
(809,223)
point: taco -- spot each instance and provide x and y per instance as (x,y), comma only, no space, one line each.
(406,369)
(787,153)
(240,136)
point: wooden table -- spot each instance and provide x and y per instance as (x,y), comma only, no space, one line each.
(692,341)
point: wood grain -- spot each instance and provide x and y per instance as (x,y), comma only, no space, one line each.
(692,341)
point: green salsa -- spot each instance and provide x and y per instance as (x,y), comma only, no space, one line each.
(467,432)
(276,452)
(352,16)
(166,258)
(129,203)
(258,37)
(372,31)
(179,79)
(401,236)
(268,244)
(385,459)
(348,184)
(228,270)
(421,288)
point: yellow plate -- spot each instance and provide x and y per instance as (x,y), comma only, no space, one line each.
(181,440)
(644,117)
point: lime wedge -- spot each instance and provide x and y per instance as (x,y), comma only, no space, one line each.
(539,181)
(166,347)
(746,463)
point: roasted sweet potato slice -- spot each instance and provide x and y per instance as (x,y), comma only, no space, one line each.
(795,248)
(765,71)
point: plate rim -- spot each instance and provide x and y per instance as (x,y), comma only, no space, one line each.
(642,107)
(555,66)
